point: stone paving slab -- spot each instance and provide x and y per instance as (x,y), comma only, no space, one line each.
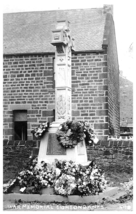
(109,192)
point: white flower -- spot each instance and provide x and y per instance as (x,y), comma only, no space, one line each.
(95,140)
(18,178)
(22,173)
(73,185)
(90,142)
(94,171)
(58,171)
(73,170)
(39,130)
(60,127)
(22,189)
(12,182)
(91,177)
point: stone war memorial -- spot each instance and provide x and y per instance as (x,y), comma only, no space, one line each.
(50,147)
(61,120)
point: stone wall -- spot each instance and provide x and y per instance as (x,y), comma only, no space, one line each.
(16,155)
(111,150)
(89,90)
(113,83)
(111,156)
(28,84)
(115,158)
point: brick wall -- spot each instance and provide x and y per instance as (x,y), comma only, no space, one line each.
(113,83)
(89,90)
(28,84)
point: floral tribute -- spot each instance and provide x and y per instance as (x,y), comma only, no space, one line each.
(87,180)
(65,185)
(39,131)
(65,177)
(71,133)
(34,178)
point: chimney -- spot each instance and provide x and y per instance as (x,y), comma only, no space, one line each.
(108,9)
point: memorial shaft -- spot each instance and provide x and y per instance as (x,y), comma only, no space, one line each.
(61,39)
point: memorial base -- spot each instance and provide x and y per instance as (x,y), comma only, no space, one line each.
(50,148)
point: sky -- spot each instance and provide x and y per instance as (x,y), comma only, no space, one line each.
(123,12)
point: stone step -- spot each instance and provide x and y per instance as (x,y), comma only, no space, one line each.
(109,192)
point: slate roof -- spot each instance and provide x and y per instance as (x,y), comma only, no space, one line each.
(30,32)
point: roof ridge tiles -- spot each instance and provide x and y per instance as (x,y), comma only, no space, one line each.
(43,11)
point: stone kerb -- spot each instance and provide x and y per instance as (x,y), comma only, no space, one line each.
(109,192)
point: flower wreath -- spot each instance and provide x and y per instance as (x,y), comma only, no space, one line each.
(65,185)
(70,133)
(39,131)
(33,178)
